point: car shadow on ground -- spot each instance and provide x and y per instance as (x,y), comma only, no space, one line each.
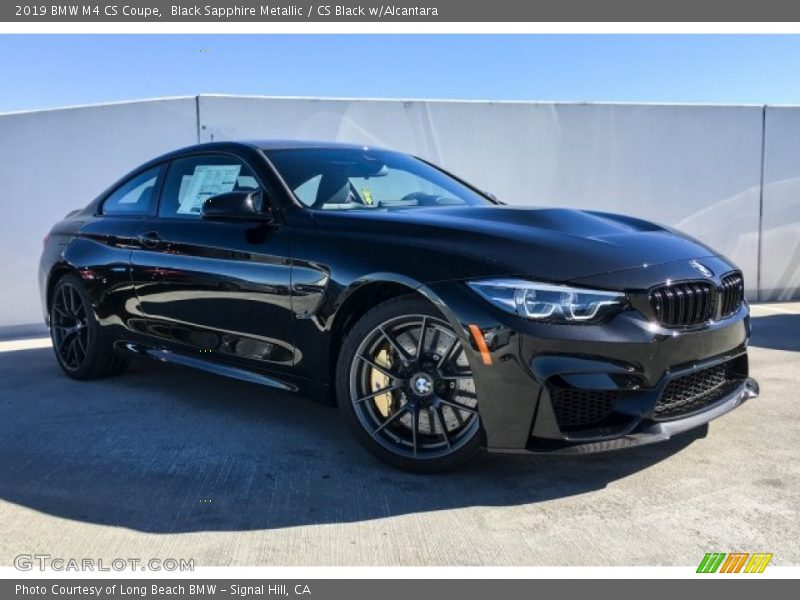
(166,449)
(778,332)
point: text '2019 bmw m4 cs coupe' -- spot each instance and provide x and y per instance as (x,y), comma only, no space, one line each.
(439,320)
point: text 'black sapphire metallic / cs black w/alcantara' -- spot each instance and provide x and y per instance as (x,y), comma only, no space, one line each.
(438,319)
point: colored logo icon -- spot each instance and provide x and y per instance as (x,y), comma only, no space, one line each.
(734,562)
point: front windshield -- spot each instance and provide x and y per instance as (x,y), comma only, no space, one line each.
(364,179)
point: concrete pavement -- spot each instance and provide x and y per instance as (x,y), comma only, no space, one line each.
(169,462)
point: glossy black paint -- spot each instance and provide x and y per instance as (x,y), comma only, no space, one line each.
(268,299)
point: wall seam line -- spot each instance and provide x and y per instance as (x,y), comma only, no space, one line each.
(197,116)
(760,233)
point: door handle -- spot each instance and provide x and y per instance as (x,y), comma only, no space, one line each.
(149,239)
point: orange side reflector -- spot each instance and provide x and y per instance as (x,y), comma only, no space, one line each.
(477,335)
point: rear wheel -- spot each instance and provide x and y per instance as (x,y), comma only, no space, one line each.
(81,347)
(405,387)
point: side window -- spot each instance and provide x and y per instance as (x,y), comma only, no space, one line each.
(191,181)
(134,197)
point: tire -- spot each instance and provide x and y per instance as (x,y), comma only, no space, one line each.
(82,348)
(426,420)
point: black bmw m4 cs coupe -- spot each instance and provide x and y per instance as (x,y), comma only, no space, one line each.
(437,319)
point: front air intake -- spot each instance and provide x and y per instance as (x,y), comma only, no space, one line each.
(576,408)
(696,391)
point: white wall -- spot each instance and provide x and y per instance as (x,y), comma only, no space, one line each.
(780,242)
(697,168)
(54,161)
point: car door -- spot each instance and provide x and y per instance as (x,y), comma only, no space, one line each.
(101,249)
(215,288)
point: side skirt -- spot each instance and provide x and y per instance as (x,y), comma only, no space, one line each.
(170,356)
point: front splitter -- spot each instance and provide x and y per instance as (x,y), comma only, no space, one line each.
(652,432)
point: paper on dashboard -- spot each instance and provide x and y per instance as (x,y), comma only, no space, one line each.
(207,181)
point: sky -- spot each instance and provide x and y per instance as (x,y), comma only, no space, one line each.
(44,71)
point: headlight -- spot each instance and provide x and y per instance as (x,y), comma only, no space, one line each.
(548,302)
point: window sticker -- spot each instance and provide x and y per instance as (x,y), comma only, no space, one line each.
(366,194)
(207,181)
(185,181)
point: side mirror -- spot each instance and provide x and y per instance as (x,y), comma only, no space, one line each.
(234,206)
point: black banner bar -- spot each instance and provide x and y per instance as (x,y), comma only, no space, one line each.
(419,589)
(399,11)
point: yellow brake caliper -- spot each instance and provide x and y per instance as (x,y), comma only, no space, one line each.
(379,381)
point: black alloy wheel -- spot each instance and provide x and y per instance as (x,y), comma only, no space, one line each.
(81,347)
(69,326)
(409,390)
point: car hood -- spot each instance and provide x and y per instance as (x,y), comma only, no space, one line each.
(553,243)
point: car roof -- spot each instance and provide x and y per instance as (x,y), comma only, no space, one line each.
(266,145)
(292,144)
(273,145)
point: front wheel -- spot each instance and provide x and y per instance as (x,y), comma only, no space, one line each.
(405,387)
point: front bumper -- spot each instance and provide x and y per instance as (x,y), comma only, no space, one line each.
(634,379)
(650,432)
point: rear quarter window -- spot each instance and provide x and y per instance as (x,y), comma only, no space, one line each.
(137,196)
